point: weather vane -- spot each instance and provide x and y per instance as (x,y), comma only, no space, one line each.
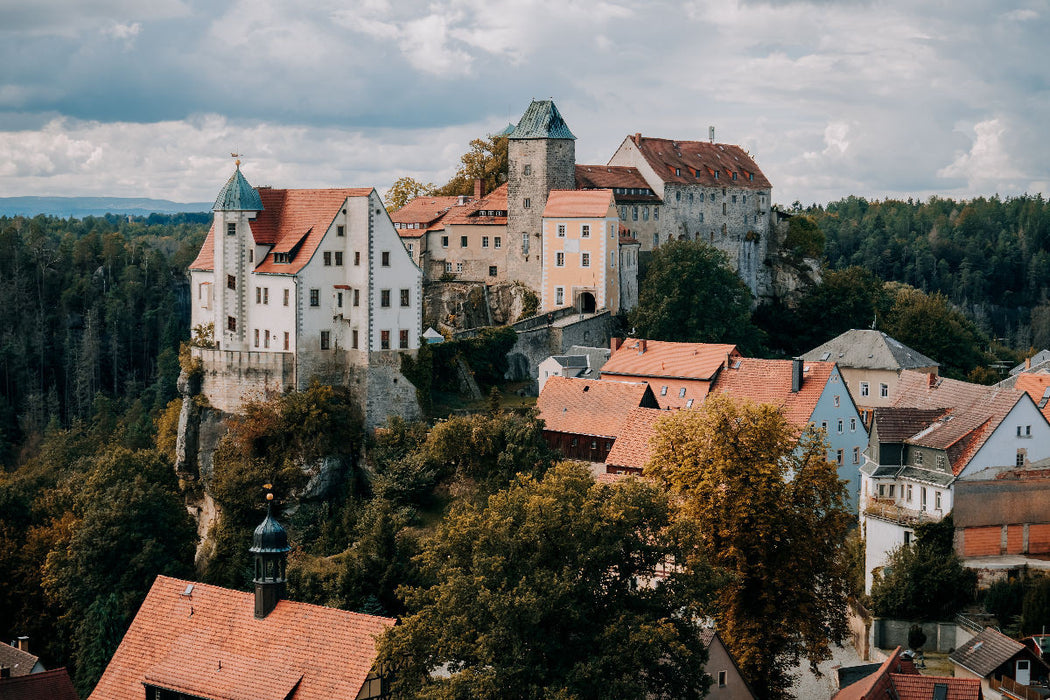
(237,158)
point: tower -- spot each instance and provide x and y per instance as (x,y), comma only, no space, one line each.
(270,551)
(238,202)
(541,154)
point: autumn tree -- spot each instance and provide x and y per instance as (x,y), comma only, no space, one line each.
(486,161)
(548,590)
(773,514)
(404,190)
(689,294)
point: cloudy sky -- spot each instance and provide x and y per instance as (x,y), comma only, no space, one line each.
(879,98)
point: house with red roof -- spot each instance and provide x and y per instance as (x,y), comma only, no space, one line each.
(583,417)
(420,216)
(45,685)
(680,374)
(468,242)
(192,640)
(936,432)
(297,285)
(898,678)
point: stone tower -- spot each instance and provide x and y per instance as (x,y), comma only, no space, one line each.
(238,202)
(542,156)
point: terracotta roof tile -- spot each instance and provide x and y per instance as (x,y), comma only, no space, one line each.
(633,446)
(1037,386)
(578,204)
(496,200)
(423,210)
(696,162)
(622,177)
(48,685)
(769,381)
(874,686)
(663,359)
(210,645)
(20,662)
(289,217)
(589,406)
(915,687)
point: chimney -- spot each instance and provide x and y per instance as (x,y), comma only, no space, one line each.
(796,375)
(615,343)
(711,133)
(479,188)
(1027,363)
(638,139)
(22,643)
(641,346)
(932,379)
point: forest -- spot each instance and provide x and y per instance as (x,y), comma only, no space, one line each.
(91,510)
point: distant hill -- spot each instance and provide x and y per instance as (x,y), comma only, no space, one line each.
(79,207)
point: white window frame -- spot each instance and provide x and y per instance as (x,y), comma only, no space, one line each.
(559,259)
(585,259)
(864,388)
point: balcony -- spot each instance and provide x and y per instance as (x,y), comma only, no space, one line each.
(889,510)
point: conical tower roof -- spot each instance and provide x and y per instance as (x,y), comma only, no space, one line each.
(269,537)
(238,195)
(542,120)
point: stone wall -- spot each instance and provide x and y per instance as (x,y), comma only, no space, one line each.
(387,391)
(229,376)
(538,340)
(941,637)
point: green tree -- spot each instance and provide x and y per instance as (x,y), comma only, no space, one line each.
(486,161)
(1035,612)
(689,294)
(548,591)
(404,190)
(774,515)
(924,581)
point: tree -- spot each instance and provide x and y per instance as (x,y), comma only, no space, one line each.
(538,594)
(773,514)
(924,581)
(1035,611)
(486,160)
(689,294)
(404,190)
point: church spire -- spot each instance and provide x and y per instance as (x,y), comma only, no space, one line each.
(270,550)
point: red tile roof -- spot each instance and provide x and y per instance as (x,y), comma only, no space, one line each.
(47,685)
(633,446)
(975,412)
(288,218)
(769,381)
(915,687)
(423,210)
(578,204)
(696,163)
(622,177)
(210,645)
(496,200)
(589,406)
(662,359)
(877,685)
(1035,385)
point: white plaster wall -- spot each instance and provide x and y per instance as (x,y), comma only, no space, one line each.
(880,538)
(1000,449)
(402,273)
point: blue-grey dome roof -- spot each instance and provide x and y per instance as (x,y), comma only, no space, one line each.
(269,537)
(238,195)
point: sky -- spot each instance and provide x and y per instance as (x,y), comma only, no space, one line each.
(879,99)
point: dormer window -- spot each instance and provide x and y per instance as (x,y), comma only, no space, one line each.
(678,172)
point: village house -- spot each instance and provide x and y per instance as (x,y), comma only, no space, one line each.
(15,659)
(1004,667)
(871,362)
(192,640)
(298,285)
(936,432)
(419,217)
(727,683)
(898,678)
(468,243)
(680,374)
(583,417)
(633,448)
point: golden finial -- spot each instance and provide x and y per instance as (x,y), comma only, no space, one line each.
(237,159)
(269,497)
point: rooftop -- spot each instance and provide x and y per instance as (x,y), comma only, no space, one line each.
(47,685)
(237,194)
(868,349)
(541,120)
(986,652)
(590,406)
(20,662)
(423,210)
(701,163)
(477,212)
(657,358)
(633,446)
(578,204)
(769,381)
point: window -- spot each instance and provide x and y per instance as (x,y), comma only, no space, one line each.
(526,203)
(353,339)
(340,230)
(384,298)
(402,338)
(585,259)
(884,390)
(411,249)
(258,300)
(559,259)
(724,208)
(559,296)
(463,242)
(656,239)
(231,229)
(444,241)
(634,213)
(918,457)
(840,426)
(734,196)
(561,230)
(701,217)
(327,259)
(286,297)
(937,500)
(838,460)
(256,337)
(315,297)
(287,339)
(663,391)
(852,425)
(357,297)
(484,241)
(922,497)
(326,339)
(524,244)
(656,213)
(836,401)
(1028,431)
(384,340)
(497,242)
(722,679)
(909,493)
(251,255)
(339,255)
(266,295)
(231,282)
(645,213)
(357,257)
(404,297)
(448,267)
(492,270)
(231,324)
(863,388)
(585,231)
(339,299)
(678,196)
(689,403)
(681,393)
(824,425)
(1020,454)
(907,538)
(527,170)
(385,257)
(856,455)
(459,267)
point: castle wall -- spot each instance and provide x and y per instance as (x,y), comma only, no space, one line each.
(231,376)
